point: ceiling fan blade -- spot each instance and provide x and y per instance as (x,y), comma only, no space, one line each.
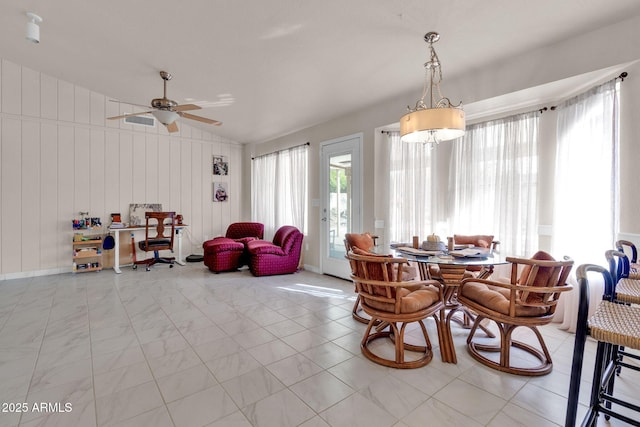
(128,115)
(186,107)
(129,103)
(200,119)
(172,127)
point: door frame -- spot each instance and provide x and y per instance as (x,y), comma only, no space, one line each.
(357,196)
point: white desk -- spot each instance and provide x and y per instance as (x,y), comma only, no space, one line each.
(116,232)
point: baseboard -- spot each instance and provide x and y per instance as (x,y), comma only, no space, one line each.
(311,268)
(36,273)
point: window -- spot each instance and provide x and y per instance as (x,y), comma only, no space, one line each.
(279,189)
(493,182)
(410,177)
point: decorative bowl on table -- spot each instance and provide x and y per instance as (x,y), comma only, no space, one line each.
(433,246)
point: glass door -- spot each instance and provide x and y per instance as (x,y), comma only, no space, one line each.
(341,201)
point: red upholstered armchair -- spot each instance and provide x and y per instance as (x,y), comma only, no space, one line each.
(245,231)
(281,256)
(229,252)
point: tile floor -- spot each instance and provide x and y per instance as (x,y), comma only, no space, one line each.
(185,347)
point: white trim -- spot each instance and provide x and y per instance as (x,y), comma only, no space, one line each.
(36,273)
(311,268)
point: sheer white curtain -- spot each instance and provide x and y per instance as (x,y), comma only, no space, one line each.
(585,205)
(279,189)
(585,219)
(493,182)
(410,191)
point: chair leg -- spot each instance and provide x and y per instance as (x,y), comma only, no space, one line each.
(396,335)
(355,313)
(504,348)
(399,341)
(576,374)
(467,320)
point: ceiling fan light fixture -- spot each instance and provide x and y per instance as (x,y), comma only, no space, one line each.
(440,120)
(165,117)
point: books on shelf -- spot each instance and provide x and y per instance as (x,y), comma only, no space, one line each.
(117,225)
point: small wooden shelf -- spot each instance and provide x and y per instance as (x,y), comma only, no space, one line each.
(86,254)
(84,270)
(92,253)
(96,242)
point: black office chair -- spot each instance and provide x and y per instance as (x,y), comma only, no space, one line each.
(155,240)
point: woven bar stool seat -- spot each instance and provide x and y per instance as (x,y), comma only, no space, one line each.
(614,325)
(628,291)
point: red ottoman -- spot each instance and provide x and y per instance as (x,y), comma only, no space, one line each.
(223,254)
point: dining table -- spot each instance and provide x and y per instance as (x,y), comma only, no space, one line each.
(453,267)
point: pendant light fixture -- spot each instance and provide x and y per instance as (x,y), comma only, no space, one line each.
(440,120)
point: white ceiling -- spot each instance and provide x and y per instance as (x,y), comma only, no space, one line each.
(285,64)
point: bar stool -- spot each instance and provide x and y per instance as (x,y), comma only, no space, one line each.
(629,249)
(612,325)
(626,291)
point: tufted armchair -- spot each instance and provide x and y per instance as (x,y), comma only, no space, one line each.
(245,231)
(281,256)
(229,252)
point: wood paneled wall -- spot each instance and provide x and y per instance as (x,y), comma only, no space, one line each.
(59,156)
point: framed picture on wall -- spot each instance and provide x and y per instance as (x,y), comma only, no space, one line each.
(137,211)
(220,165)
(220,193)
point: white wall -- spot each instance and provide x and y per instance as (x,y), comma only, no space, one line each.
(59,156)
(595,50)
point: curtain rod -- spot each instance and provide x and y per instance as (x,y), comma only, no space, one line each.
(622,76)
(284,149)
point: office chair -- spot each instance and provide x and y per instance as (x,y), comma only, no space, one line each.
(155,239)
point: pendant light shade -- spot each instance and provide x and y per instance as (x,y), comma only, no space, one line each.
(432,125)
(439,121)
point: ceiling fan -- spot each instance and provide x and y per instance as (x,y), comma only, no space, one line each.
(166,110)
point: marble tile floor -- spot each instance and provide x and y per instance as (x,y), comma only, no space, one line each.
(185,347)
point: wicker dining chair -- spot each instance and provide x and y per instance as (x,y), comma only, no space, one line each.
(392,304)
(529,301)
(363,244)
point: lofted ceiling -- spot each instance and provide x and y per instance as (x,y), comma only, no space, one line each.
(266,68)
